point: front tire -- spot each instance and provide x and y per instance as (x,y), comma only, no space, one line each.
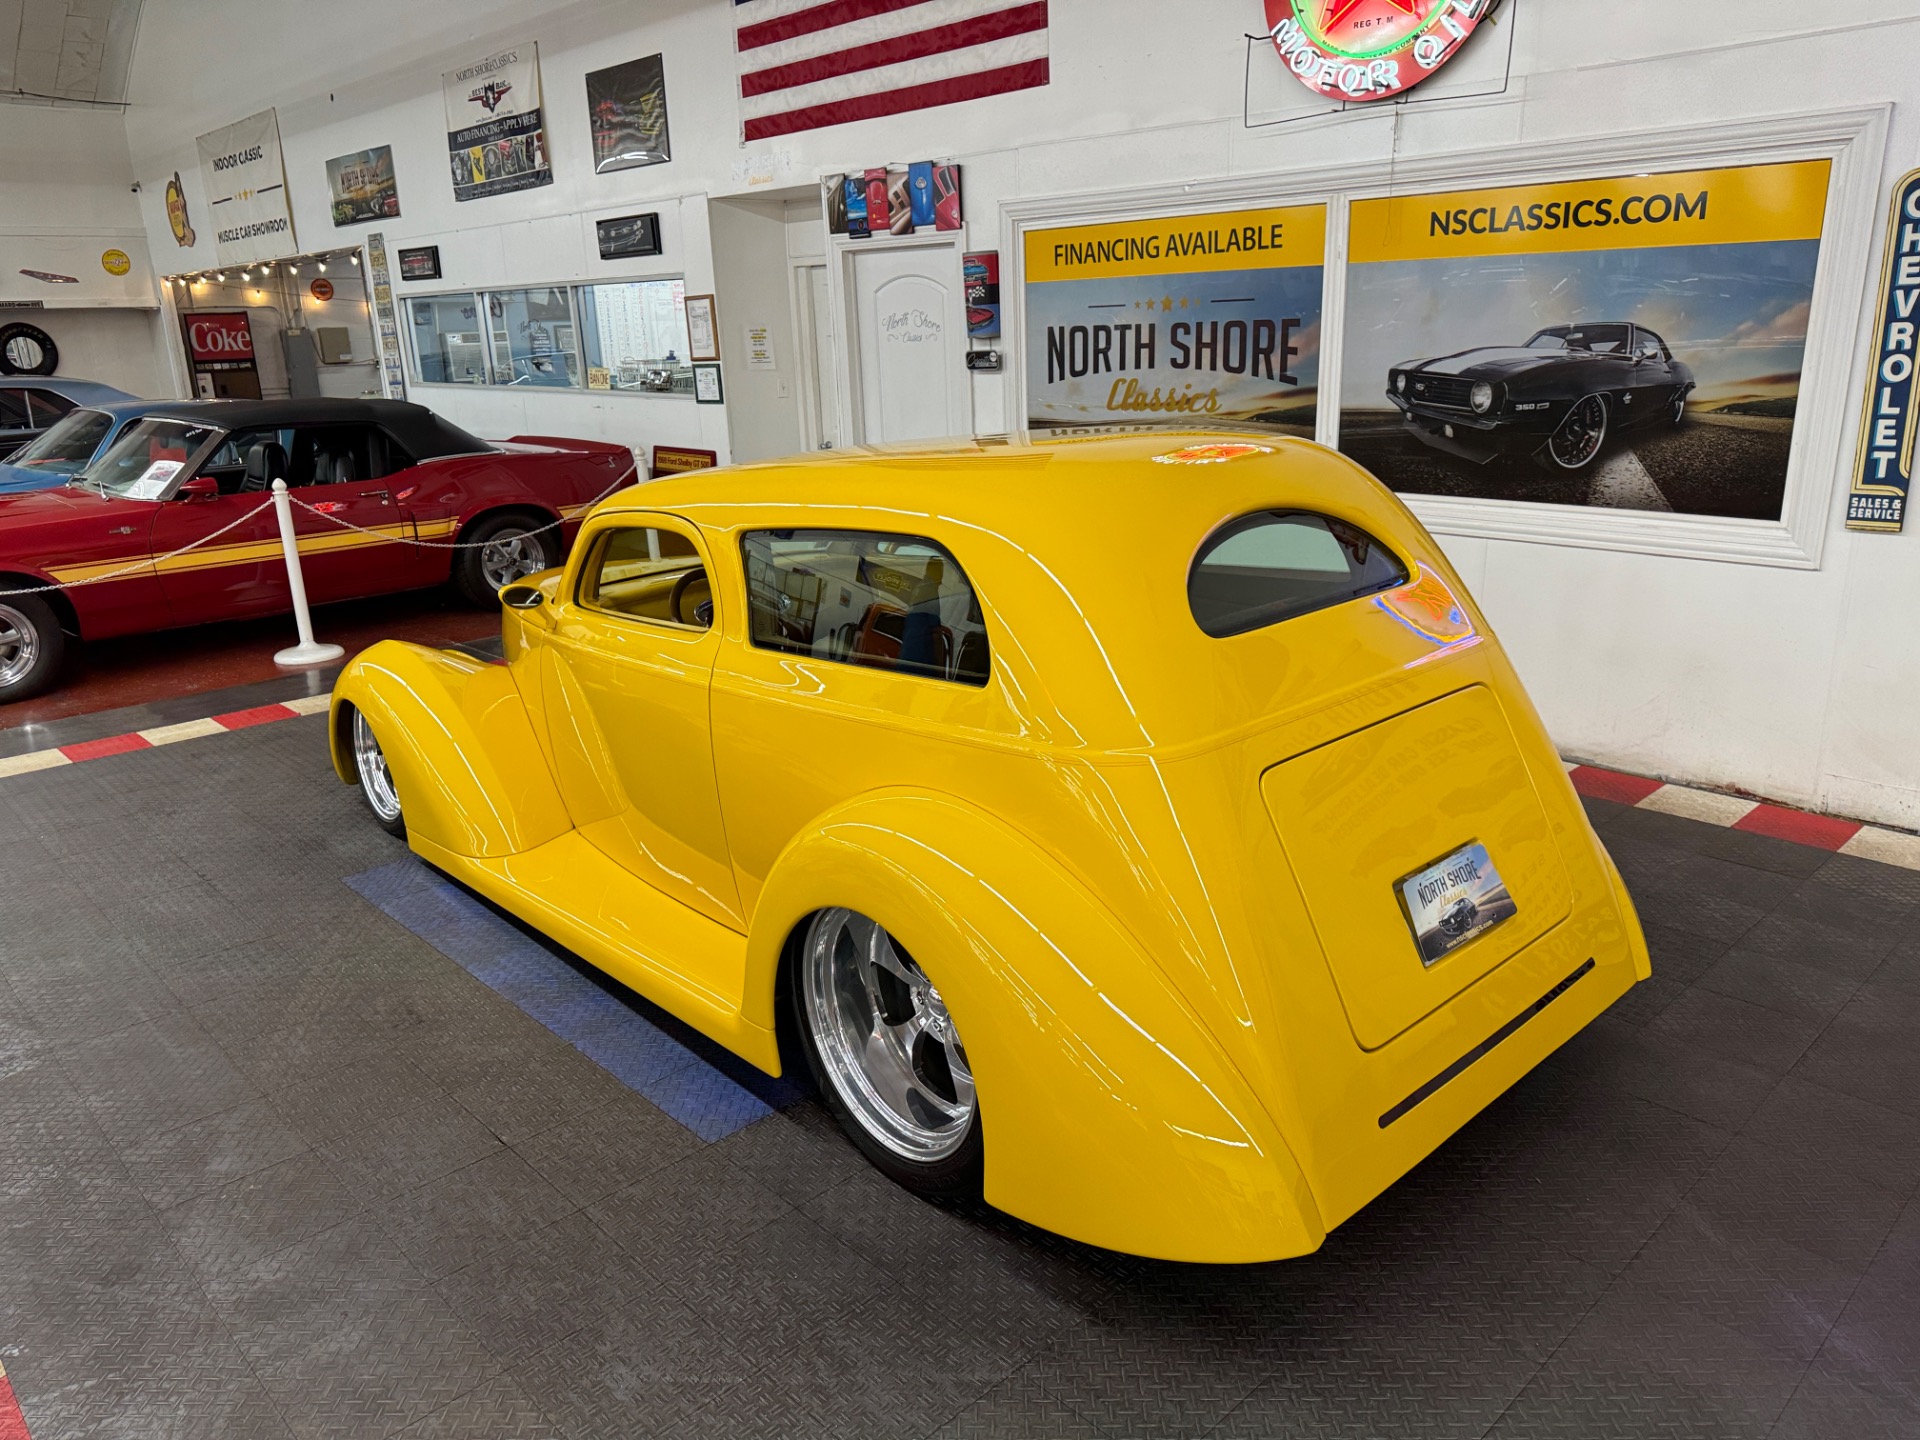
(32,645)
(500,551)
(1579,437)
(887,1056)
(376,780)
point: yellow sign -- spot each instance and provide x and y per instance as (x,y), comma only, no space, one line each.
(115,262)
(1636,212)
(1182,245)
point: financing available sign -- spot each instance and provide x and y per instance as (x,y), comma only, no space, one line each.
(246,187)
(1884,473)
(496,140)
(1189,318)
(1370,49)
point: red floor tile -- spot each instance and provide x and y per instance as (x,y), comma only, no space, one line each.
(112,745)
(1598,784)
(258,715)
(1826,832)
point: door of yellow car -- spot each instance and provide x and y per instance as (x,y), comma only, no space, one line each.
(632,650)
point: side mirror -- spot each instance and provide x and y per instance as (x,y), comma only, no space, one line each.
(523,597)
(200,487)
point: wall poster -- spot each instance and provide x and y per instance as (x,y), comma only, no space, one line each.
(247,190)
(1883,470)
(393,374)
(363,186)
(1194,318)
(496,142)
(1632,342)
(627,112)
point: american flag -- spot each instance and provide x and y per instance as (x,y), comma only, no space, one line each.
(808,63)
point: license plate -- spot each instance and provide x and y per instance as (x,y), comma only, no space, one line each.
(1455,899)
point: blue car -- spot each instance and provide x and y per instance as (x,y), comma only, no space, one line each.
(71,444)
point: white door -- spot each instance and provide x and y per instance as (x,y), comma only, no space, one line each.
(909,346)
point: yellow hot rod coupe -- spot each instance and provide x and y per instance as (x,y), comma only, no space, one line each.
(1145,832)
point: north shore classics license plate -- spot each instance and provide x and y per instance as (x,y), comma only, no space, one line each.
(1454,899)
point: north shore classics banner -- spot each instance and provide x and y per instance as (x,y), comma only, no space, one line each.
(246,187)
(1631,342)
(496,140)
(1194,317)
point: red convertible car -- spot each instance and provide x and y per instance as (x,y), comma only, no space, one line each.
(393,469)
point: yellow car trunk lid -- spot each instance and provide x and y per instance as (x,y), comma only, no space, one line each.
(1360,814)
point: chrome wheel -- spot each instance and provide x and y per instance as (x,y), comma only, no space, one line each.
(1679,406)
(509,555)
(1579,437)
(884,1037)
(19,646)
(375,779)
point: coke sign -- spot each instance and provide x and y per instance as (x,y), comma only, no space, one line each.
(1370,49)
(219,337)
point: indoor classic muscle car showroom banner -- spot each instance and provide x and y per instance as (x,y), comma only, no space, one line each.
(247,190)
(1631,342)
(1201,316)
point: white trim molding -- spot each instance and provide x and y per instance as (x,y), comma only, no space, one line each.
(1854,140)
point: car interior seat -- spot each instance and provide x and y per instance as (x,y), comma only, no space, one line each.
(266,462)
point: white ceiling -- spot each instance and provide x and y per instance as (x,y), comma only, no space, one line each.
(66,50)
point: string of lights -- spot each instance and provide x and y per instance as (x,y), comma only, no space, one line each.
(293,265)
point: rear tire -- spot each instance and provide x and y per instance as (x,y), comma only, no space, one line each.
(32,645)
(502,550)
(376,780)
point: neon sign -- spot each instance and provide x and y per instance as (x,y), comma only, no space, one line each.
(1370,49)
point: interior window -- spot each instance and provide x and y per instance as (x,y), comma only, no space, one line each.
(895,602)
(1276,564)
(646,573)
(449,339)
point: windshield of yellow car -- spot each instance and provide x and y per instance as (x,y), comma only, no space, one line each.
(144,462)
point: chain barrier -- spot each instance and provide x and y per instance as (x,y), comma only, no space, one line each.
(147,562)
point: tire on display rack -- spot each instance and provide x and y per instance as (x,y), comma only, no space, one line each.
(500,550)
(32,645)
(376,780)
(27,350)
(887,1056)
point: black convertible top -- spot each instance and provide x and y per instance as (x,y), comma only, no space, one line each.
(420,432)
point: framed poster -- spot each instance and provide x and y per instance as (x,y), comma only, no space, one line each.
(706,385)
(1191,317)
(627,237)
(422,263)
(703,328)
(627,112)
(1632,343)
(496,138)
(678,459)
(246,189)
(363,186)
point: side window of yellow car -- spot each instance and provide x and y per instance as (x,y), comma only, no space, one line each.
(643,572)
(892,602)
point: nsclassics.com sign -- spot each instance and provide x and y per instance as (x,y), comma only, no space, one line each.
(247,190)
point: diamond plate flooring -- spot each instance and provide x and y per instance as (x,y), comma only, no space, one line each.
(273,1165)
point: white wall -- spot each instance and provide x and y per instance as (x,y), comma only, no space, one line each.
(1799,684)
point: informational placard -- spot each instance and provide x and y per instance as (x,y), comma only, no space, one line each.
(386,324)
(1192,317)
(363,186)
(678,459)
(760,348)
(627,110)
(1631,342)
(1883,474)
(246,189)
(496,138)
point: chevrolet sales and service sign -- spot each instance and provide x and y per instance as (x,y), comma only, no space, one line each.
(247,190)
(1885,475)
(1191,318)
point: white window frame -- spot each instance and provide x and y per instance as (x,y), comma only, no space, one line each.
(1853,139)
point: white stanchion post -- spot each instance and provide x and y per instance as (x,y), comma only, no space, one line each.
(309,651)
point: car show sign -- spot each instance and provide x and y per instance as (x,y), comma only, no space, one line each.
(1370,49)
(363,186)
(496,139)
(1624,341)
(1189,317)
(246,185)
(1883,473)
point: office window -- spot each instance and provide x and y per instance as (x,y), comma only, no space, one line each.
(635,336)
(449,340)
(533,341)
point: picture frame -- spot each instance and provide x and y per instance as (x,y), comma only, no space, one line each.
(420,264)
(703,328)
(707,389)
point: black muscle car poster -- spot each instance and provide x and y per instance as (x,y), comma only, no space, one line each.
(627,109)
(1632,342)
(1185,319)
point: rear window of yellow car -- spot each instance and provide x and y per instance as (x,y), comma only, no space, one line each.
(1274,565)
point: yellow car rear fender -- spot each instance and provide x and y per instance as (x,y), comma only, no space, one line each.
(471,776)
(1110,1114)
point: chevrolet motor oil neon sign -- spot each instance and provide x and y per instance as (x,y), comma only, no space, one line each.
(1370,49)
